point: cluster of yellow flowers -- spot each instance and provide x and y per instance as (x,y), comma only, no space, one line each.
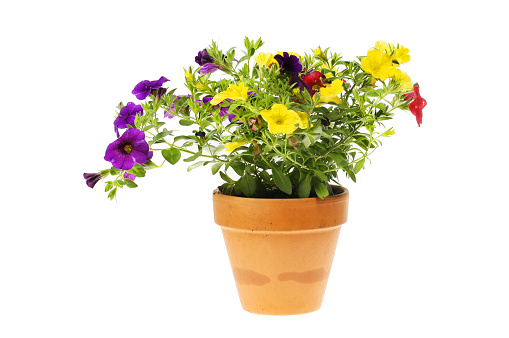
(383,61)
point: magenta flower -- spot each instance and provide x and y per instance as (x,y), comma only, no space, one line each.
(145,87)
(127,116)
(128,149)
(129,176)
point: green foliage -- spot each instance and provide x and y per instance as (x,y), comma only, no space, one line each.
(341,133)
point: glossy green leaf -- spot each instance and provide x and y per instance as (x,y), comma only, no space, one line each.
(171,155)
(282,181)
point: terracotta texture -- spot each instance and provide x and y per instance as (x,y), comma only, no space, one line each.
(281,250)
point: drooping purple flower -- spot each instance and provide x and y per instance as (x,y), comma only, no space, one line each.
(288,63)
(206,62)
(92,179)
(203,58)
(127,116)
(128,149)
(145,87)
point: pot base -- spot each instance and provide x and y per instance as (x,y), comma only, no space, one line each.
(281,272)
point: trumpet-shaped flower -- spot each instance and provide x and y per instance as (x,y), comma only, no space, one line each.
(330,92)
(233,92)
(281,120)
(417,105)
(384,47)
(128,149)
(264,59)
(401,55)
(405,84)
(145,87)
(304,120)
(315,80)
(126,116)
(377,64)
(288,63)
(231,146)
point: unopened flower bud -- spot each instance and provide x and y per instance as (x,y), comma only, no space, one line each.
(325,121)
(257,151)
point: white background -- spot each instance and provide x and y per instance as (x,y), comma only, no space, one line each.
(424,253)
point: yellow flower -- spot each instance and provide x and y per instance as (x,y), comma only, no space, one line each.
(304,120)
(401,55)
(384,47)
(231,146)
(189,76)
(199,86)
(281,120)
(264,60)
(377,64)
(233,92)
(331,91)
(405,84)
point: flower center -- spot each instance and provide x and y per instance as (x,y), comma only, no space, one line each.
(128,148)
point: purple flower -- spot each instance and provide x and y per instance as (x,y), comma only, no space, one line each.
(203,58)
(129,176)
(288,63)
(92,179)
(171,112)
(127,116)
(144,88)
(295,78)
(206,62)
(128,149)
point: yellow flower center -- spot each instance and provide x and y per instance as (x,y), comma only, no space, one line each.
(128,148)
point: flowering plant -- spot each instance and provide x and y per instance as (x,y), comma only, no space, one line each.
(285,124)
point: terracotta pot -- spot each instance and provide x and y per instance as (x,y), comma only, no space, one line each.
(281,250)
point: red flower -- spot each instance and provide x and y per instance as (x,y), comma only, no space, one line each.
(314,80)
(417,104)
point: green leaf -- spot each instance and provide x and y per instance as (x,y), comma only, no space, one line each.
(351,174)
(247,185)
(321,175)
(388,132)
(130,183)
(216,167)
(196,165)
(339,159)
(114,171)
(239,168)
(193,157)
(359,165)
(320,189)
(171,155)
(161,135)
(138,170)
(112,194)
(225,177)
(282,181)
(305,187)
(109,186)
(184,122)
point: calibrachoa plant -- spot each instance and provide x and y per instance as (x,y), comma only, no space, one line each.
(285,124)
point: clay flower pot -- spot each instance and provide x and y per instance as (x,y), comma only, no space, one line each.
(281,250)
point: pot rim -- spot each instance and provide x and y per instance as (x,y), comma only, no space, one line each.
(342,195)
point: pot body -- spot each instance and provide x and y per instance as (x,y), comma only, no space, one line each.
(281,250)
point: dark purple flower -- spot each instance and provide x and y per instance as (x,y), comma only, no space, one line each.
(203,58)
(288,63)
(295,78)
(92,179)
(129,176)
(127,116)
(206,62)
(128,149)
(144,88)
